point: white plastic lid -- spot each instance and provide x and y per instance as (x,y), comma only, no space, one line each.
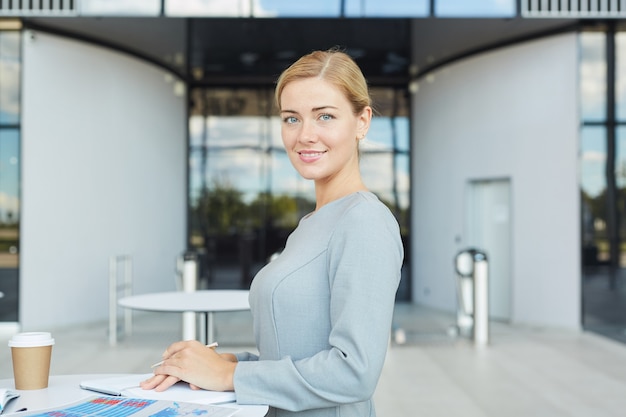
(31,339)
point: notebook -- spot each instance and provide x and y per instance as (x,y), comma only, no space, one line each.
(128,386)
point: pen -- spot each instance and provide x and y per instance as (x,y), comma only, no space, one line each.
(211,345)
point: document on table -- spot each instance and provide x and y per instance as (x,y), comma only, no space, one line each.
(6,395)
(136,407)
(128,386)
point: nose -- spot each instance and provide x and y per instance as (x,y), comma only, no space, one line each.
(308,133)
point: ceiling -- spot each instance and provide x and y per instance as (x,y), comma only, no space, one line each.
(242,51)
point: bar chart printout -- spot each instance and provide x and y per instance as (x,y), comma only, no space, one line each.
(104,406)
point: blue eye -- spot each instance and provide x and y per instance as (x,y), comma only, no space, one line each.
(326,117)
(290,120)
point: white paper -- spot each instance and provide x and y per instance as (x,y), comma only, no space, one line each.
(6,395)
(128,386)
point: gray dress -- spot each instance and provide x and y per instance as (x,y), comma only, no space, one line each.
(322,313)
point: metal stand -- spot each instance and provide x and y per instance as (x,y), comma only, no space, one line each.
(189,284)
(473,294)
(119,285)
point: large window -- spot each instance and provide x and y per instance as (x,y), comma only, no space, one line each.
(10,70)
(329,8)
(244,195)
(603,180)
(594,148)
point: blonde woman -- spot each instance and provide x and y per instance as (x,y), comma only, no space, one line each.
(323,309)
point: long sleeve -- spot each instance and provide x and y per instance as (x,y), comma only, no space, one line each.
(325,311)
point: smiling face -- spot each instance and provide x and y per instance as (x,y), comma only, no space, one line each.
(321,132)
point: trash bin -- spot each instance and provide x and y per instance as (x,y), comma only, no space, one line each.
(472,269)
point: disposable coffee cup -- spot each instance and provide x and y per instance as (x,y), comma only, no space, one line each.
(31,353)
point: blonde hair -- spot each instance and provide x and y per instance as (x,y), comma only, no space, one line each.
(333,66)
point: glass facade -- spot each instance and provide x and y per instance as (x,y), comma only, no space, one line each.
(120,7)
(321,8)
(603,180)
(289,8)
(10,73)
(244,195)
(475,8)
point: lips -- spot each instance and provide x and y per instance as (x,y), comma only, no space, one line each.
(310,155)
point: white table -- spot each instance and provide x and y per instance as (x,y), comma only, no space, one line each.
(64,389)
(204,302)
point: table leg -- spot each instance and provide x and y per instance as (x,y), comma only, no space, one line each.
(189,325)
(202,321)
(209,328)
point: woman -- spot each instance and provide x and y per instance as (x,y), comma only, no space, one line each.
(322,310)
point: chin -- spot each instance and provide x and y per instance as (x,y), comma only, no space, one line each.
(304,172)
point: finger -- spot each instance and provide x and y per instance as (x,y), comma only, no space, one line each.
(171,349)
(228,356)
(152,382)
(166,383)
(177,347)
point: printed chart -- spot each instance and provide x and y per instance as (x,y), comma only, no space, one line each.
(125,407)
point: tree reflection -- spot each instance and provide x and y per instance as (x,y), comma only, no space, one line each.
(232,233)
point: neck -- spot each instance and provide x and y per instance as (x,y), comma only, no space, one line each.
(326,193)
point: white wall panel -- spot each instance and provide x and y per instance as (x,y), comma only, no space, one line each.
(510,113)
(103,155)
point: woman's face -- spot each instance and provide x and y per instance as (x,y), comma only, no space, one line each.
(320,131)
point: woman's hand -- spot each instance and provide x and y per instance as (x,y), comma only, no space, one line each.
(193,362)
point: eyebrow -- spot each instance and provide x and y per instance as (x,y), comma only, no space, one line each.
(323,107)
(314,109)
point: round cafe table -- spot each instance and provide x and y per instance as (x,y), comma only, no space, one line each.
(205,302)
(64,390)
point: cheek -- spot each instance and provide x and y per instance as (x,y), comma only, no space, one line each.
(289,137)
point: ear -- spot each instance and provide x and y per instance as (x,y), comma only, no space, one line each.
(363,122)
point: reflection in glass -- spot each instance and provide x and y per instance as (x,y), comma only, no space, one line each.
(215,8)
(593,160)
(475,8)
(402,129)
(231,132)
(603,193)
(9,177)
(380,136)
(593,75)
(593,190)
(10,70)
(290,8)
(388,8)
(402,183)
(620,76)
(240,169)
(196,130)
(376,169)
(120,7)
(620,158)
(387,134)
(9,222)
(620,179)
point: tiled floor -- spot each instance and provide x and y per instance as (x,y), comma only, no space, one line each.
(523,372)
